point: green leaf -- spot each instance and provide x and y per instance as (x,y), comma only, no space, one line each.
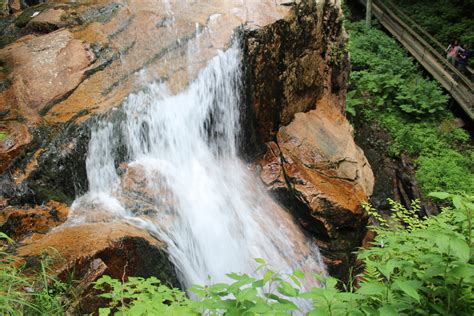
(460,249)
(298,273)
(465,271)
(286,289)
(104,311)
(260,260)
(457,202)
(408,288)
(331,283)
(247,294)
(260,308)
(387,310)
(218,287)
(236,276)
(268,275)
(371,289)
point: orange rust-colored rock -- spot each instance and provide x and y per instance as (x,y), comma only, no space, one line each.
(103,51)
(293,69)
(317,158)
(45,68)
(90,251)
(20,222)
(15,136)
(323,176)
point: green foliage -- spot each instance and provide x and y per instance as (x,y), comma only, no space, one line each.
(384,76)
(443,19)
(246,295)
(3,136)
(139,296)
(426,265)
(388,88)
(447,170)
(415,267)
(337,53)
(41,294)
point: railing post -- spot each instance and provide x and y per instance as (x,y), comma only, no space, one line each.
(368,13)
(423,54)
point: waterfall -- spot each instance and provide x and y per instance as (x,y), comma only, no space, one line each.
(193,192)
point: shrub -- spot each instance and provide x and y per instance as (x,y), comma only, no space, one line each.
(446,170)
(386,87)
(414,267)
(385,76)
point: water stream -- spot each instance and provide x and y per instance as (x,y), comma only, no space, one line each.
(184,182)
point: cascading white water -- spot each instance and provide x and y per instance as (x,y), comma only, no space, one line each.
(208,208)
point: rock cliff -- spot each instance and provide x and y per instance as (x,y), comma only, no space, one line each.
(64,65)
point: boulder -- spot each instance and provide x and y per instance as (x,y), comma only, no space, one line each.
(323,176)
(90,251)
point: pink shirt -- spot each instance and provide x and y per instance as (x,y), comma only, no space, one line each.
(454,51)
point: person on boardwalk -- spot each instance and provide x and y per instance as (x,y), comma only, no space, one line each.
(453,51)
(463,58)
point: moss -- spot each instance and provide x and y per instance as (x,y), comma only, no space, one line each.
(48,194)
(3,136)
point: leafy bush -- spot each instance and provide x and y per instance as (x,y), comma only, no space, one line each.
(415,267)
(386,87)
(384,76)
(447,170)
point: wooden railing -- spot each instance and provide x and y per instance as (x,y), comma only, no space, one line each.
(432,59)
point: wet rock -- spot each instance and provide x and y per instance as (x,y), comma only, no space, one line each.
(58,99)
(15,136)
(145,192)
(14,6)
(90,251)
(20,222)
(318,171)
(45,68)
(289,68)
(28,13)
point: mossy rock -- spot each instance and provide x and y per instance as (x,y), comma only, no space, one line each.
(4,10)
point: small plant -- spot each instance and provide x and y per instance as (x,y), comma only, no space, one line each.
(40,294)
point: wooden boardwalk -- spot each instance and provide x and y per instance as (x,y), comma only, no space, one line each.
(415,40)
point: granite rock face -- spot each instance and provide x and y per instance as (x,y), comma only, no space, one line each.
(293,63)
(54,83)
(298,68)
